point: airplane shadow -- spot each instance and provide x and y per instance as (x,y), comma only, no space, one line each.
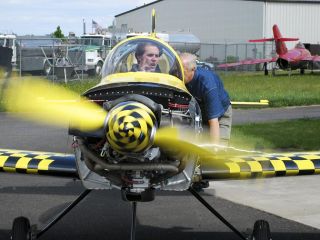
(70,188)
(154,233)
(102,215)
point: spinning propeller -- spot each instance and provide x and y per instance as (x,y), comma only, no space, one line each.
(130,126)
(44,102)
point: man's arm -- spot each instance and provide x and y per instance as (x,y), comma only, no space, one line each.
(214,130)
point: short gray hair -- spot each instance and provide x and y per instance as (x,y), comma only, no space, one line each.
(189,60)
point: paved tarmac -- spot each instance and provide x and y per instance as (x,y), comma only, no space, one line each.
(295,198)
(102,215)
(241,116)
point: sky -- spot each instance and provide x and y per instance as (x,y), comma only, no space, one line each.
(41,17)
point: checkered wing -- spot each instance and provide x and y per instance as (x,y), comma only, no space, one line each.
(43,163)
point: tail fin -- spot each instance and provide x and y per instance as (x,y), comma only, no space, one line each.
(281,47)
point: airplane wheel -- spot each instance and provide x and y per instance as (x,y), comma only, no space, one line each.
(261,231)
(21,229)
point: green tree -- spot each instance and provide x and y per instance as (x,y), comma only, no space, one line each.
(58,33)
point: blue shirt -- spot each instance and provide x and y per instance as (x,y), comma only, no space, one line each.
(208,90)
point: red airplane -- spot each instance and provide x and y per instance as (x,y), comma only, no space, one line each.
(296,58)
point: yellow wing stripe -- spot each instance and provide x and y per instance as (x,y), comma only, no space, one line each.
(44,164)
(9,169)
(23,163)
(255,166)
(32,171)
(3,159)
(305,164)
(278,165)
(233,167)
(37,163)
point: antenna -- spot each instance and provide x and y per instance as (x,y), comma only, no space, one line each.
(153,23)
(84,26)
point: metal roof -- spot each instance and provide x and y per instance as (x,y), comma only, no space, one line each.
(288,1)
(145,5)
(280,1)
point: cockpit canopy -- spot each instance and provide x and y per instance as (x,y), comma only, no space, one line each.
(123,58)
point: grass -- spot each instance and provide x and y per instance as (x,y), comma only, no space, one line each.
(281,90)
(81,86)
(294,135)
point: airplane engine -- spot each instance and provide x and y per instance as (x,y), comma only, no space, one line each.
(124,152)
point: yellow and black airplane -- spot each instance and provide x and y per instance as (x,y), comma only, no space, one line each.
(138,132)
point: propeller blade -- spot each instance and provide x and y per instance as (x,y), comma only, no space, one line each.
(44,102)
(184,141)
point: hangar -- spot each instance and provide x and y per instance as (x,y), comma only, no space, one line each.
(221,21)
(227,21)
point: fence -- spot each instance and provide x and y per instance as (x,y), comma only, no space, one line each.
(57,59)
(228,53)
(66,59)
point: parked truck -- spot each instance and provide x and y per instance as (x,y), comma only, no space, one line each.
(42,55)
(90,52)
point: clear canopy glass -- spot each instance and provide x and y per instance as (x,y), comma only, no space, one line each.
(131,55)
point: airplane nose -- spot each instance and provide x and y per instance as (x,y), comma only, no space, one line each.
(131,127)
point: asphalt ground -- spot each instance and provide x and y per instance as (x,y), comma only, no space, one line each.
(103,215)
(242,116)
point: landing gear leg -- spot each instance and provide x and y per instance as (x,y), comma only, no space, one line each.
(133,221)
(214,212)
(21,229)
(261,231)
(134,198)
(266,72)
(64,212)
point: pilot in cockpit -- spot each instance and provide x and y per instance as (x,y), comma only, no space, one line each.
(147,55)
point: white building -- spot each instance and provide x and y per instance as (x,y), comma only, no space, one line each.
(227,21)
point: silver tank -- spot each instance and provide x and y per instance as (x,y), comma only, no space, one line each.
(181,42)
(184,42)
